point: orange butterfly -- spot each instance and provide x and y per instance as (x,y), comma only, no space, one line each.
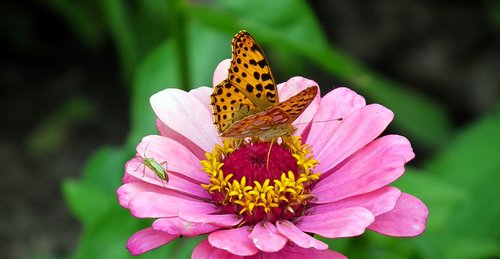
(246,104)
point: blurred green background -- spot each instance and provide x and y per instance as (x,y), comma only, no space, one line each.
(76,77)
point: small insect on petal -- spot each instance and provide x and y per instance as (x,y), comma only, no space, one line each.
(158,168)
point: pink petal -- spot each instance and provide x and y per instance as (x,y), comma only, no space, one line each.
(128,178)
(177,158)
(204,250)
(128,191)
(292,87)
(178,226)
(220,220)
(234,240)
(266,237)
(376,165)
(378,202)
(407,219)
(203,95)
(147,239)
(221,71)
(355,131)
(297,252)
(289,230)
(338,223)
(174,135)
(183,113)
(335,105)
(154,205)
(135,168)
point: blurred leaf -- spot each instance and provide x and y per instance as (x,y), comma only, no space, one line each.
(460,187)
(105,168)
(82,17)
(151,25)
(471,162)
(53,132)
(202,63)
(119,20)
(292,22)
(441,197)
(469,247)
(86,201)
(430,188)
(106,232)
(95,193)
(184,246)
(156,72)
(107,237)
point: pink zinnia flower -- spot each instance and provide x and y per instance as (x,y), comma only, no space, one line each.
(331,179)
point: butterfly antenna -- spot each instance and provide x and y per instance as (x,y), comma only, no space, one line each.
(144,154)
(144,157)
(312,122)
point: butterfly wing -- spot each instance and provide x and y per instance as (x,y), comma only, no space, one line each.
(250,72)
(297,104)
(275,121)
(229,104)
(257,124)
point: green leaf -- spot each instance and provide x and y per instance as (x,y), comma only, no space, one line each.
(292,22)
(85,200)
(105,168)
(458,247)
(460,188)
(471,162)
(119,21)
(151,25)
(95,193)
(440,196)
(204,52)
(156,72)
(472,247)
(107,237)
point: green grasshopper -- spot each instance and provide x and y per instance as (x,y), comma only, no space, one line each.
(156,167)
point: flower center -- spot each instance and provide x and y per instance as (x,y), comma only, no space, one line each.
(260,161)
(260,180)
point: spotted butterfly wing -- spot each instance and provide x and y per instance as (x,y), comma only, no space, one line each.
(249,88)
(229,105)
(250,72)
(275,121)
(246,104)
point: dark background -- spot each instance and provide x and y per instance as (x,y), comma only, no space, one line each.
(61,98)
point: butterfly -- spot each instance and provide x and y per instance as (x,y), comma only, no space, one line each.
(246,103)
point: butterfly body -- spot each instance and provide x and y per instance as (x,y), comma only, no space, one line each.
(246,104)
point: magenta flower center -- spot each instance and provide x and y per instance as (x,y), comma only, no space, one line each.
(252,162)
(259,181)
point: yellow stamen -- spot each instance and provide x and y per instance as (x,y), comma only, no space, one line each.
(287,191)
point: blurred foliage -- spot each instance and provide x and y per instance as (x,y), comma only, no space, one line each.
(164,44)
(54,131)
